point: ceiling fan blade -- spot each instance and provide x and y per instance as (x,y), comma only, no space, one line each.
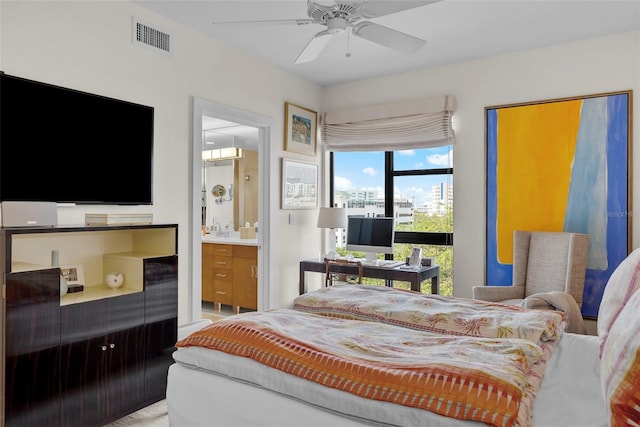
(388,37)
(375,8)
(314,47)
(303,21)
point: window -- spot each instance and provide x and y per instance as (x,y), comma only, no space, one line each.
(413,186)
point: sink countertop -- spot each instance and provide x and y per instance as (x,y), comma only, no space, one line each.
(232,240)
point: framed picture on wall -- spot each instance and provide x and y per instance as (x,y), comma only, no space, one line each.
(299,184)
(560,165)
(300,129)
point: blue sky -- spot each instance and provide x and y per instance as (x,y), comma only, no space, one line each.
(365,170)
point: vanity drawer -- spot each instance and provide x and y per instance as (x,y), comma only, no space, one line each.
(220,262)
(220,250)
(222,287)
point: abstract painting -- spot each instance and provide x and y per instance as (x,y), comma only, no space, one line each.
(560,165)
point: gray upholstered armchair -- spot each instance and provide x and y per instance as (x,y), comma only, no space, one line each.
(543,262)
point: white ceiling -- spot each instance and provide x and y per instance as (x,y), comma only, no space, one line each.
(455,31)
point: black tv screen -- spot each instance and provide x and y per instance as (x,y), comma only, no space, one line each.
(67,146)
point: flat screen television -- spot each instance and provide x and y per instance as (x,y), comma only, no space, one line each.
(67,146)
(372,235)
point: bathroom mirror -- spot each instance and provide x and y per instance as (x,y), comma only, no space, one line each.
(230,175)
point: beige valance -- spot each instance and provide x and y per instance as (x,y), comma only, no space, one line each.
(419,123)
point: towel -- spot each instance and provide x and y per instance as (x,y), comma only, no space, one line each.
(560,301)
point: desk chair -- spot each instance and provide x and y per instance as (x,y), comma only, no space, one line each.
(341,277)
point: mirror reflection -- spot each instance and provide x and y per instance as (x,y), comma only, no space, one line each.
(230,176)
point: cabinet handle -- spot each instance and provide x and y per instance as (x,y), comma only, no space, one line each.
(112,346)
(254,271)
(103,347)
(220,292)
(221,275)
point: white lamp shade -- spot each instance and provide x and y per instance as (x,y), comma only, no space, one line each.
(332,218)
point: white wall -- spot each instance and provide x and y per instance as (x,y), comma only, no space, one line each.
(87,46)
(586,67)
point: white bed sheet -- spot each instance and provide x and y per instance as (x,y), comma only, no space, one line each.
(229,391)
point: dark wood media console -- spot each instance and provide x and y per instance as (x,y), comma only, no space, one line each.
(91,357)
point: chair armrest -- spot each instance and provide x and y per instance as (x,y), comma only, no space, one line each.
(498,293)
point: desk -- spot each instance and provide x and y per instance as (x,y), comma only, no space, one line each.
(413,276)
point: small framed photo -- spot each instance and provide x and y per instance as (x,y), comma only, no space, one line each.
(301,127)
(74,274)
(299,184)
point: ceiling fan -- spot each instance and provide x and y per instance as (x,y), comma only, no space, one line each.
(339,16)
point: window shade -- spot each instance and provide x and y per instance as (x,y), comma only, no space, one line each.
(420,123)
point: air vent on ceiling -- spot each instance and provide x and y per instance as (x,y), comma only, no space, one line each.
(148,36)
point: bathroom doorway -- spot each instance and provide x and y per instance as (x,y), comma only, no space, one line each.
(206,113)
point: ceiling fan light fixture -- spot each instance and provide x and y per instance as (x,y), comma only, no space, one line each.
(336,25)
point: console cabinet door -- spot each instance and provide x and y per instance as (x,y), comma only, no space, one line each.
(102,345)
(83,333)
(125,354)
(32,348)
(161,323)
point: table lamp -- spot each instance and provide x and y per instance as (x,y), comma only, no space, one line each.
(332,218)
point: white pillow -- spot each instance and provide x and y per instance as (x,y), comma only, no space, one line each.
(624,281)
(620,366)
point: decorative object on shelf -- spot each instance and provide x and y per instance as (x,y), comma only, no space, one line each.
(300,130)
(332,218)
(73,274)
(114,280)
(577,149)
(299,184)
(55,259)
(64,287)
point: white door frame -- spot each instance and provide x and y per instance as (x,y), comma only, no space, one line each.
(204,107)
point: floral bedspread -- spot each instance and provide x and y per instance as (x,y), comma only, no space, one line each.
(434,313)
(487,379)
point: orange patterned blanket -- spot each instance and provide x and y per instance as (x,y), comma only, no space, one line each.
(473,378)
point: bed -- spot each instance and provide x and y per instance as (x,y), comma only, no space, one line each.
(433,361)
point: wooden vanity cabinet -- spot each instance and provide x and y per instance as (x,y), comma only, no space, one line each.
(222,274)
(230,275)
(86,358)
(207,272)
(245,277)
